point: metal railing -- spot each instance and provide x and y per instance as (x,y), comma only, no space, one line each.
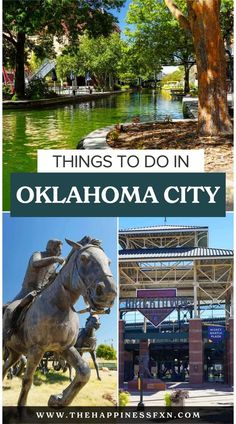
(43,70)
(71,90)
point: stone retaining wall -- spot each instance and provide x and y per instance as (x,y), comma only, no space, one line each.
(98,138)
(190,106)
(42,103)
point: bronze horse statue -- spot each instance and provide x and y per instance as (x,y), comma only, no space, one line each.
(51,323)
(87,342)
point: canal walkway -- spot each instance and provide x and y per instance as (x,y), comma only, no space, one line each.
(190,105)
(57,101)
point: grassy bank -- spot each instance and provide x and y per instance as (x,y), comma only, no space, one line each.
(95,393)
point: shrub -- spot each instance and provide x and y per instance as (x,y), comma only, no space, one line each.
(117,87)
(37,89)
(15,97)
(175,396)
(7,91)
(114,135)
(126,87)
(123,398)
(178,395)
(167,398)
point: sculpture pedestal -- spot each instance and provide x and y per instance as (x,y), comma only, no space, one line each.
(148,385)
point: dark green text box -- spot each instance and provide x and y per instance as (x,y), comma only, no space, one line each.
(158,183)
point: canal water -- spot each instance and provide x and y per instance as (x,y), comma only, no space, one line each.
(26,131)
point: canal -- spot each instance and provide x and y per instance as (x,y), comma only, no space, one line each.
(26,131)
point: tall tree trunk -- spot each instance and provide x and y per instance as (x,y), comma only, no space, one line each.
(111,82)
(186,79)
(204,19)
(155,80)
(20,62)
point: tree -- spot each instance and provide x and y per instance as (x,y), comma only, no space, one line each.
(67,63)
(100,56)
(158,37)
(23,20)
(202,21)
(127,66)
(106,352)
(177,76)
(140,58)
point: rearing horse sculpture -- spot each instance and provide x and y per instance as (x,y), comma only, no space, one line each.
(51,324)
(87,341)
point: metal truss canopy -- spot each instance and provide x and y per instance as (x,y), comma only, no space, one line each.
(173,252)
(205,279)
(176,257)
(163,236)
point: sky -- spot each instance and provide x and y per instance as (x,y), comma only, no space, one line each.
(122,14)
(23,236)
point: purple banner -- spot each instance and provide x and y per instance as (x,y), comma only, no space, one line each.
(152,293)
(156,316)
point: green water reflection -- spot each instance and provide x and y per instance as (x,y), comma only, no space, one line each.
(24,132)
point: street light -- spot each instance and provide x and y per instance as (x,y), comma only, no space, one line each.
(141,405)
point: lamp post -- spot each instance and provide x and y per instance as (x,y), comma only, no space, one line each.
(141,405)
(72,78)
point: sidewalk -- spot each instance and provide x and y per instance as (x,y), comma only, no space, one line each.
(204,395)
(56,101)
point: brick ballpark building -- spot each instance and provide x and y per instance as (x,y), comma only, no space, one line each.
(175,305)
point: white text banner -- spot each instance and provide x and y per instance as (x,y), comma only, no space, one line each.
(120,161)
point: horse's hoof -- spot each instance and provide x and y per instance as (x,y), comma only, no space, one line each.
(55,400)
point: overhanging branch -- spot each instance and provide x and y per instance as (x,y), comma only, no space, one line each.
(183,21)
(9,37)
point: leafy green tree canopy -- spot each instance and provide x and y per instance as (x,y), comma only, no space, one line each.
(227,20)
(158,37)
(68,17)
(100,56)
(106,352)
(23,20)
